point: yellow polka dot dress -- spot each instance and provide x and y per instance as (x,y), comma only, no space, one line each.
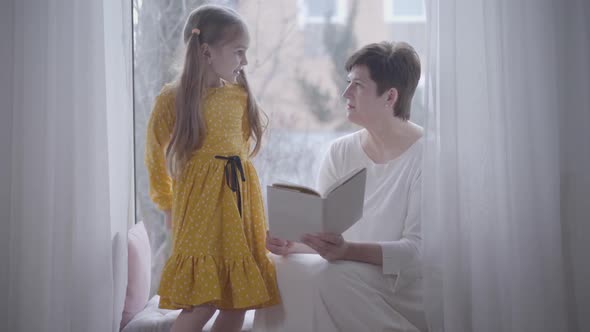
(218,247)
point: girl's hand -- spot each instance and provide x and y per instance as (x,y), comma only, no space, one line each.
(328,245)
(168,219)
(278,246)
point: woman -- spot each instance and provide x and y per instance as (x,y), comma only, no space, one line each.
(369,278)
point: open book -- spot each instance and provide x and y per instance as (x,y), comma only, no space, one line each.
(294,210)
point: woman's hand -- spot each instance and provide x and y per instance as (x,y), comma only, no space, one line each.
(328,245)
(168,219)
(278,246)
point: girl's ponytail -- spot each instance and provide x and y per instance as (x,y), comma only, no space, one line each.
(189,128)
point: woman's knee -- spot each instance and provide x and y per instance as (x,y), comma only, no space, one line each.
(333,275)
(344,277)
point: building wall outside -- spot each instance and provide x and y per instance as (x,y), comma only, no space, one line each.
(278,53)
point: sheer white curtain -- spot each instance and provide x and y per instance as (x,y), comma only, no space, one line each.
(69,164)
(575,158)
(500,252)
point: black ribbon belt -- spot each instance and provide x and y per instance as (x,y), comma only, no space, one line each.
(232,167)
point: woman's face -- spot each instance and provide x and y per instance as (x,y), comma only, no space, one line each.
(363,105)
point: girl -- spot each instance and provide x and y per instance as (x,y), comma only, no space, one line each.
(197,155)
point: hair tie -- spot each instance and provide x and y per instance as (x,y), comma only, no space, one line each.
(196,31)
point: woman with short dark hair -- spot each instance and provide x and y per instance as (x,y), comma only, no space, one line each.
(370,277)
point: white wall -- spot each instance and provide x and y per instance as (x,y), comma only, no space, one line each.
(6,75)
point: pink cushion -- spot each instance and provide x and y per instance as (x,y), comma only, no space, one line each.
(139,275)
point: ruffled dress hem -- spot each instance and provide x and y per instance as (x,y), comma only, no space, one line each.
(219,281)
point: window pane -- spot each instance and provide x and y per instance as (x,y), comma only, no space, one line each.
(408,7)
(321,8)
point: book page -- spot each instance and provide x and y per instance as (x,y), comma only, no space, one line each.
(342,181)
(294,210)
(296,187)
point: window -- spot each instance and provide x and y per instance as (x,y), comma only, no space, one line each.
(300,93)
(320,11)
(404,11)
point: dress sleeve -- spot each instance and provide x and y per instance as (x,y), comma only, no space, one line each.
(403,257)
(159,131)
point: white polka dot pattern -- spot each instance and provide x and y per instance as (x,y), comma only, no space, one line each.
(218,256)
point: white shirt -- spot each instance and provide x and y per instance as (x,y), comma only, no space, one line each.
(391,214)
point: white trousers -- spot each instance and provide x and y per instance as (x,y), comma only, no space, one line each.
(339,296)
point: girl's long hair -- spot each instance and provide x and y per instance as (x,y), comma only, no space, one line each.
(216,25)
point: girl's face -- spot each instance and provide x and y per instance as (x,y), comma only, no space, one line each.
(363,104)
(228,59)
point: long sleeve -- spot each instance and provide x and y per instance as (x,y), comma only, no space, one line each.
(391,211)
(327,173)
(403,257)
(159,130)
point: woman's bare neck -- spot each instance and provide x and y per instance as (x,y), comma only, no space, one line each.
(386,141)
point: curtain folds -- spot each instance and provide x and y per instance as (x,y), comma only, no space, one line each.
(71,165)
(496,258)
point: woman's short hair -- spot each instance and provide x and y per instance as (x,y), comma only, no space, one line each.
(391,65)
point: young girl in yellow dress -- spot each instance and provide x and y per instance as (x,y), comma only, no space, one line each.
(197,154)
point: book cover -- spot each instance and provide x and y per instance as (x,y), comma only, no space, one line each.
(295,210)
